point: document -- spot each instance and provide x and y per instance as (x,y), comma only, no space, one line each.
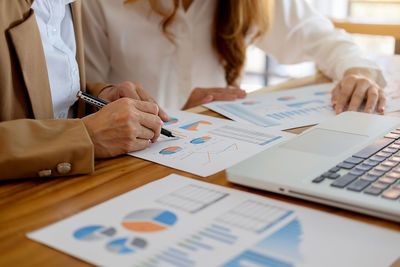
(177,221)
(285,109)
(207,145)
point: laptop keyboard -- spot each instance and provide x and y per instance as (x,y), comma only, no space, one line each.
(375,170)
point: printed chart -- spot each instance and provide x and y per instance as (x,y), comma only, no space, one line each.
(254,216)
(280,249)
(125,245)
(288,109)
(281,110)
(209,225)
(94,232)
(192,198)
(207,145)
(151,220)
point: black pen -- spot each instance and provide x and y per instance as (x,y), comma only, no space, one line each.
(97,102)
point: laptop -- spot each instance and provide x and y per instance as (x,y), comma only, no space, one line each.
(350,161)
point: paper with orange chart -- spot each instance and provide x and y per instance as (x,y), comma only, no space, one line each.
(182,222)
(208,145)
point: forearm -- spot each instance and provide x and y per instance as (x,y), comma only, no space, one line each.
(47,148)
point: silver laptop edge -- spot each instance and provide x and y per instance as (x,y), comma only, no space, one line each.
(289,168)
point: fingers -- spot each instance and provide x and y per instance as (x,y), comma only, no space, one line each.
(128,89)
(153,124)
(142,95)
(139,144)
(147,107)
(381,102)
(345,91)
(163,115)
(200,96)
(353,90)
(238,93)
(359,92)
(223,97)
(372,100)
(334,95)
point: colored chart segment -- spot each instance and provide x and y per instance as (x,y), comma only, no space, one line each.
(149,220)
(200,140)
(194,125)
(305,103)
(93,233)
(170,150)
(170,121)
(125,245)
(250,102)
(322,93)
(286,98)
(285,242)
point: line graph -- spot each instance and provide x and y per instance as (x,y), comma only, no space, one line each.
(208,154)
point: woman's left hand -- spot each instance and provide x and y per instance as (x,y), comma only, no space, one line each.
(358,85)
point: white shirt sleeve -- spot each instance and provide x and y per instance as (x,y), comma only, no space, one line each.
(299,33)
(96,41)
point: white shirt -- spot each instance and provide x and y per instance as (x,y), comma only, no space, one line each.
(124,42)
(58,39)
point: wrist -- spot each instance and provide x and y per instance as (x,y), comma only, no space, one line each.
(369,73)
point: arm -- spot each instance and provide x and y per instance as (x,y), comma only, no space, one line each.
(299,34)
(44,148)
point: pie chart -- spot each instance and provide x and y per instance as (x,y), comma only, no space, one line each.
(149,220)
(200,140)
(94,232)
(170,150)
(171,121)
(125,245)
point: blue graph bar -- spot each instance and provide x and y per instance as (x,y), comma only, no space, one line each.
(276,221)
(201,245)
(271,140)
(217,238)
(221,234)
(297,112)
(255,259)
(247,115)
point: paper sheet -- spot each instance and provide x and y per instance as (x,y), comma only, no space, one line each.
(285,109)
(177,221)
(208,145)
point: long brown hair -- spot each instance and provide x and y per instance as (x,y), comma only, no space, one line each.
(233,21)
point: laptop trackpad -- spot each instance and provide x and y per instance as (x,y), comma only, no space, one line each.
(325,142)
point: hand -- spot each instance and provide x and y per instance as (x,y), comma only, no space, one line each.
(123,126)
(131,90)
(356,86)
(200,96)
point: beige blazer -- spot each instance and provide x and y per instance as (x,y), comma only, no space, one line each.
(32,143)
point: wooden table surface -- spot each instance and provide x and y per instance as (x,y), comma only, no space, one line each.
(31,204)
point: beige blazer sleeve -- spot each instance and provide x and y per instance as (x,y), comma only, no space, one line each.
(32,143)
(44,148)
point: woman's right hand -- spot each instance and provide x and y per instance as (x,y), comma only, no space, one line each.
(200,96)
(123,126)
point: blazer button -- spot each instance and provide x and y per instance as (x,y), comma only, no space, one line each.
(44,173)
(64,167)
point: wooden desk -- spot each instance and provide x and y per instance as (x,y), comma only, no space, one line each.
(31,204)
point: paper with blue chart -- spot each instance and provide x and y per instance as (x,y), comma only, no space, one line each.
(177,221)
(208,145)
(285,109)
